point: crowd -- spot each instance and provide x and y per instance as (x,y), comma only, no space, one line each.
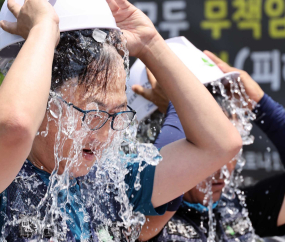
(84,71)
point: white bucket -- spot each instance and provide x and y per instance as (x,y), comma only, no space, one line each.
(197,62)
(73,15)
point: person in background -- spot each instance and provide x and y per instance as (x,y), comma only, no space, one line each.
(264,201)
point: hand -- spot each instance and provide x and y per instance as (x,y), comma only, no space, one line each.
(252,89)
(31,14)
(155,94)
(136,26)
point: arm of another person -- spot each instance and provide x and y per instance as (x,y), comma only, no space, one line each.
(214,140)
(270,119)
(171,131)
(25,90)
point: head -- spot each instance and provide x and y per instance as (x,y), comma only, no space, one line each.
(196,195)
(91,75)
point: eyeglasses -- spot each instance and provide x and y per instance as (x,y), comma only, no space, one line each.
(96,119)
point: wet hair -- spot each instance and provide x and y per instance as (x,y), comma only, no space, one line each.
(79,54)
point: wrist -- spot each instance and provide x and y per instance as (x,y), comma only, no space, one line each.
(46,29)
(152,46)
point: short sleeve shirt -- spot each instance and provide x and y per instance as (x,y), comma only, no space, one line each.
(139,198)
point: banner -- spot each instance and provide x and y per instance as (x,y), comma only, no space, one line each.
(248,34)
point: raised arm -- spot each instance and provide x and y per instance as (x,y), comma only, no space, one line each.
(214,140)
(28,80)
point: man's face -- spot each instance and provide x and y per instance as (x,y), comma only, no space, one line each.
(218,179)
(218,183)
(69,140)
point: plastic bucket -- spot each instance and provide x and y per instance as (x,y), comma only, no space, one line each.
(197,62)
(73,15)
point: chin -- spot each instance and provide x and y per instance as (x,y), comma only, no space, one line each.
(79,171)
(217,196)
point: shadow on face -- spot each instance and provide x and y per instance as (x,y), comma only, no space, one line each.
(218,183)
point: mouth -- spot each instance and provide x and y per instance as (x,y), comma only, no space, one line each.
(219,185)
(88,154)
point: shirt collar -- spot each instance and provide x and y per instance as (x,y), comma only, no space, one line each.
(199,207)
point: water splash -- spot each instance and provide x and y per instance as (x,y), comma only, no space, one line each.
(150,128)
(236,104)
(231,96)
(97,190)
(101,187)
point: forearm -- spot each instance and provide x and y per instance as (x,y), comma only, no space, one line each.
(24,92)
(203,121)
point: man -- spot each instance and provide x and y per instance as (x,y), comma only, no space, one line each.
(264,201)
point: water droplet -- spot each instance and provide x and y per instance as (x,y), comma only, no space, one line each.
(53,113)
(44,133)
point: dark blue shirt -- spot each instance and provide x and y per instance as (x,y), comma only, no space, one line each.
(140,199)
(270,118)
(172,129)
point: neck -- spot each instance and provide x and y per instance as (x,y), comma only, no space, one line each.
(188,197)
(37,163)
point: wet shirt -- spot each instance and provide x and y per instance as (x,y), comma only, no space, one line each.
(190,224)
(270,118)
(172,129)
(140,199)
(263,200)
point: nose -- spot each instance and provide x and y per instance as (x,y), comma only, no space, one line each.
(102,134)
